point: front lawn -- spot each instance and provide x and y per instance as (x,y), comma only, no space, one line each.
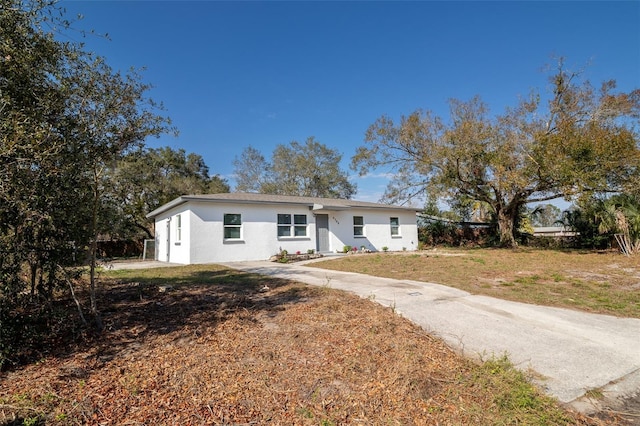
(606,282)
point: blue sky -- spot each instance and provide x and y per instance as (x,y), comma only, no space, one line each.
(234,74)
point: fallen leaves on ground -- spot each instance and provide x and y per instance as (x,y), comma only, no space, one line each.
(223,352)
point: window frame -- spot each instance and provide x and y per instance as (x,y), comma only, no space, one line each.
(178,228)
(290,225)
(359,226)
(395,226)
(230,226)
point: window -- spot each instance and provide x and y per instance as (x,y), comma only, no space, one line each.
(232,225)
(395,227)
(288,229)
(300,225)
(284,225)
(178,228)
(358,226)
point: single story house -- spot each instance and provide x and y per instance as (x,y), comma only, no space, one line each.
(245,226)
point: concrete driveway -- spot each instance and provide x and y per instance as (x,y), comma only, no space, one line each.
(571,352)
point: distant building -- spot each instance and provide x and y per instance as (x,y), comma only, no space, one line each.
(553,231)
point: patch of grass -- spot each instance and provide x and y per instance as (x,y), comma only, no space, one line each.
(590,281)
(529,281)
(515,396)
(305,413)
(595,393)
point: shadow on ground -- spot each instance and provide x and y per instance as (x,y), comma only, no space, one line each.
(135,306)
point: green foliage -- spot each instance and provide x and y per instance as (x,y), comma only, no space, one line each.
(283,256)
(435,232)
(65,118)
(251,170)
(31,421)
(346,249)
(596,220)
(310,170)
(147,178)
(515,397)
(583,140)
(545,215)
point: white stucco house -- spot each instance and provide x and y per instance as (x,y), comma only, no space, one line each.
(245,226)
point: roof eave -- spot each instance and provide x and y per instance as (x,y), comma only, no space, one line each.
(168,206)
(313,206)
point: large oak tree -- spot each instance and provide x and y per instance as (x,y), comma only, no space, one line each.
(582,140)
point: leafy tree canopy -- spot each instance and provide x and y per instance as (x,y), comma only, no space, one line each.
(545,215)
(148,178)
(65,118)
(583,140)
(310,169)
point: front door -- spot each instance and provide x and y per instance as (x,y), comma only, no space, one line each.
(322,232)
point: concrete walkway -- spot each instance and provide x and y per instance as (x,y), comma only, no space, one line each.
(570,352)
(138,264)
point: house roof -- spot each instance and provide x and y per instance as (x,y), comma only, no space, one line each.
(314,203)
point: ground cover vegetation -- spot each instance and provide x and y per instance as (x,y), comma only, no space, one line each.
(209,345)
(603,282)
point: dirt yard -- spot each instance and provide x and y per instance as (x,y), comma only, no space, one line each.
(220,347)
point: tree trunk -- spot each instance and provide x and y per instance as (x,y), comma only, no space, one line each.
(506,221)
(93,249)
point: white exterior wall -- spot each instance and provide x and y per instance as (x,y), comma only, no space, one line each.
(178,250)
(259,232)
(202,233)
(377,230)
